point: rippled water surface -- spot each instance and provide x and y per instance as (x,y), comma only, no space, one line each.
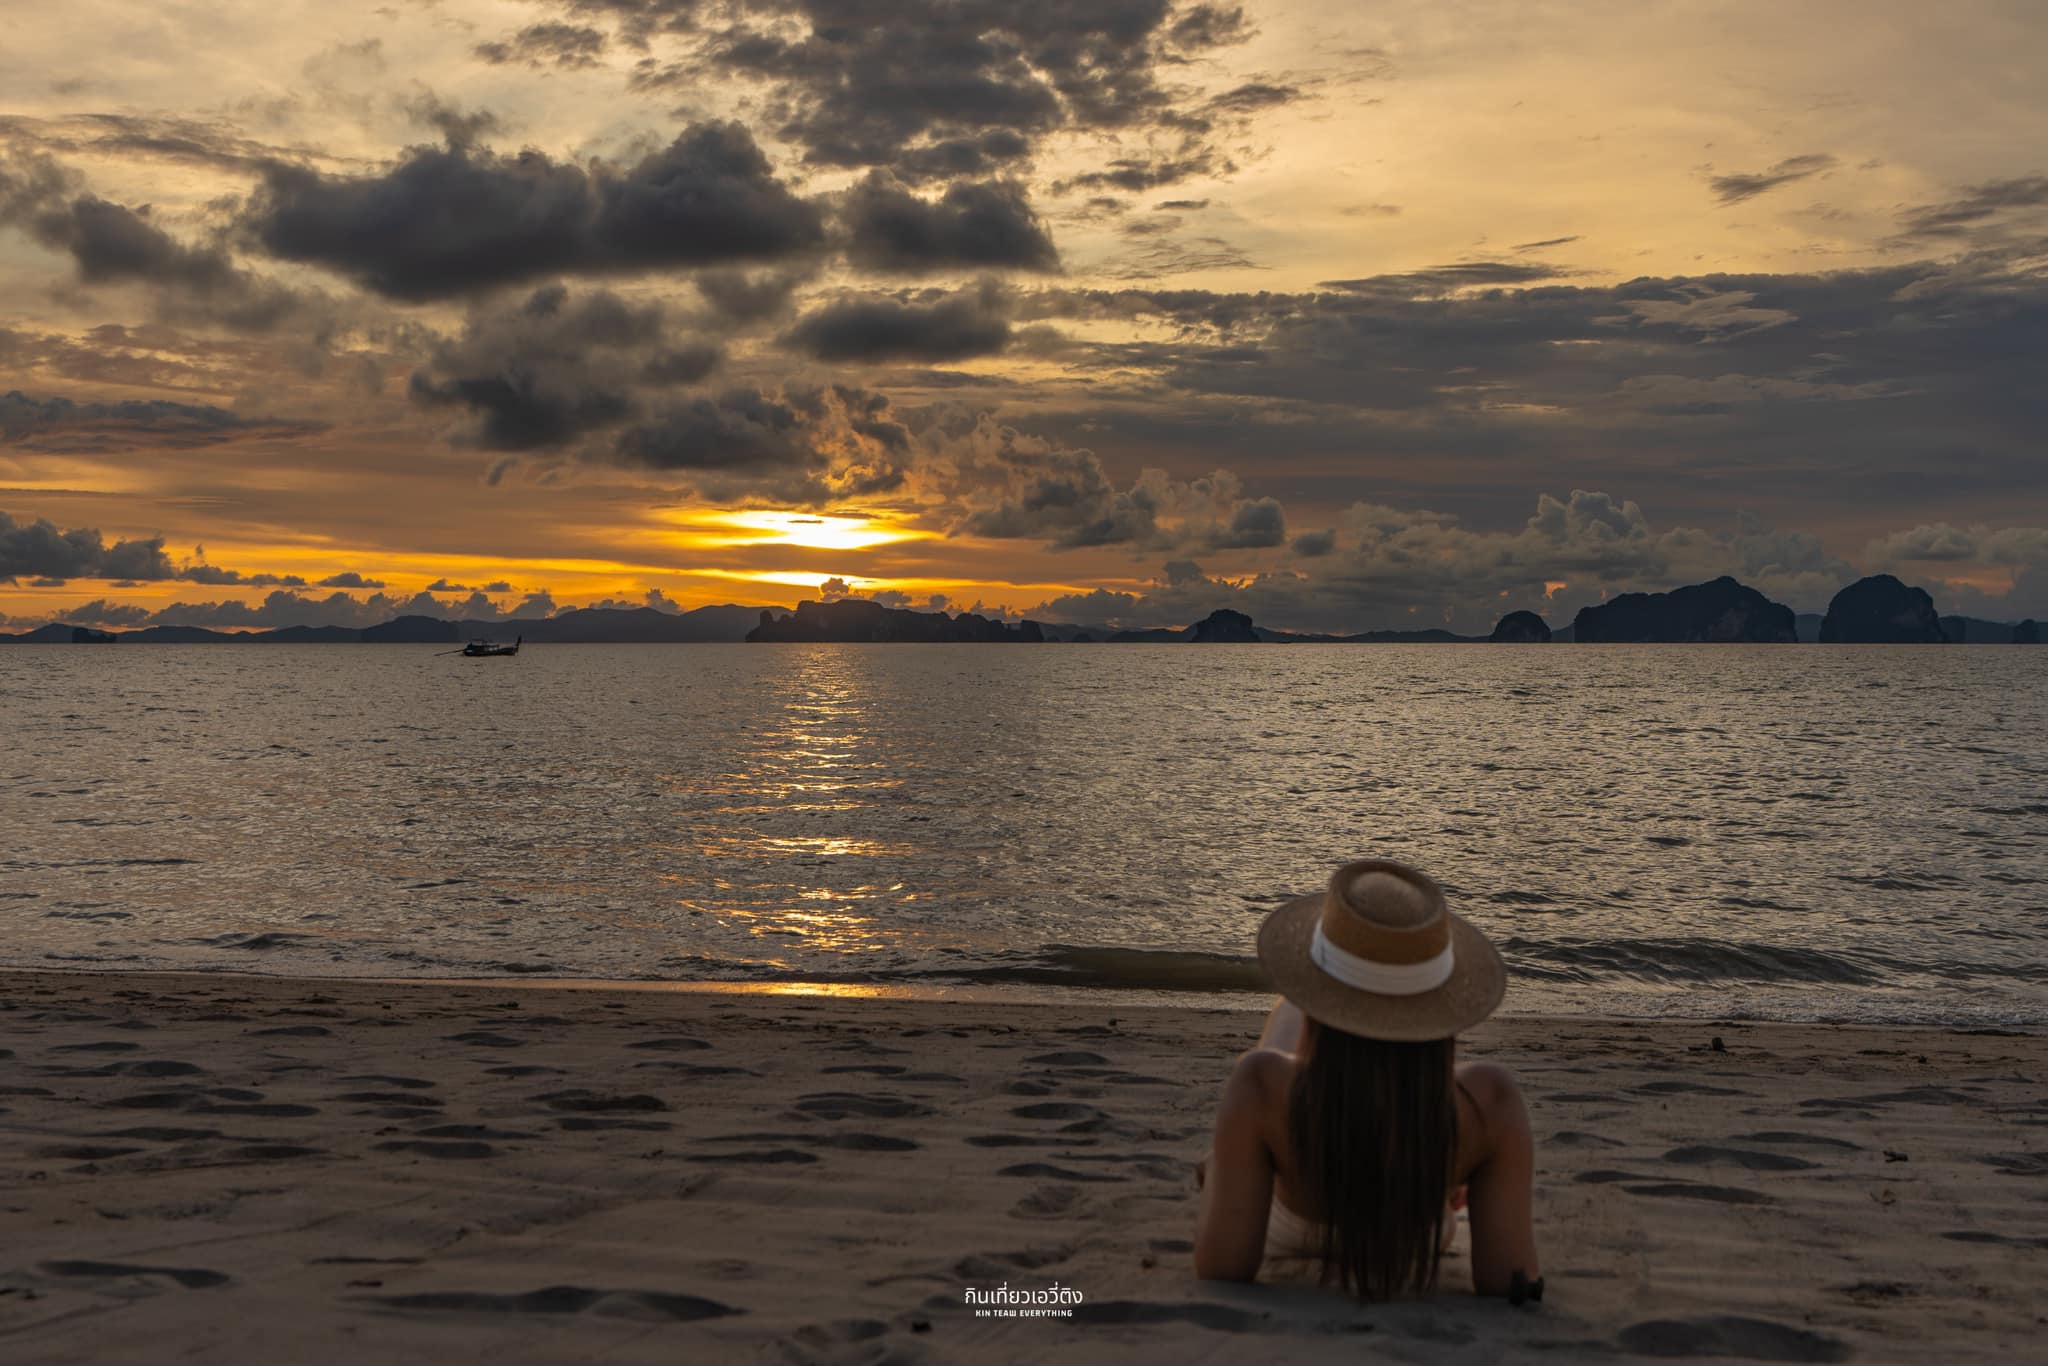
(1806,832)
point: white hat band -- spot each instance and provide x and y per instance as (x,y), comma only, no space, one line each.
(1385,979)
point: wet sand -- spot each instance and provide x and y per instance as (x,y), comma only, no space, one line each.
(211,1168)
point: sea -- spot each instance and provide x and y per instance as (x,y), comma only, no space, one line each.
(1715,832)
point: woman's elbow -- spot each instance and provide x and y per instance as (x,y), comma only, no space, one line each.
(1215,1265)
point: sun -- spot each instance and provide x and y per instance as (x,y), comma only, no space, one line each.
(811,530)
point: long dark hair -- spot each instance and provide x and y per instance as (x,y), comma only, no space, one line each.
(1374,1126)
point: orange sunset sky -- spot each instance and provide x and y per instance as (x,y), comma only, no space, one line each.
(1356,316)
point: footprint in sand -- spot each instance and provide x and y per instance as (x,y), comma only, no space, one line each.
(157,1133)
(274,1152)
(586,1102)
(1217,1318)
(566,1299)
(1970,1235)
(996,1265)
(1047,1171)
(1781,1137)
(1686,1088)
(1058,1109)
(81,1152)
(159,1067)
(1692,1190)
(851,1105)
(1730,1336)
(472,1131)
(191,1278)
(404,1098)
(1051,1202)
(674,1044)
(453,1151)
(1702,1155)
(695,1069)
(379,1079)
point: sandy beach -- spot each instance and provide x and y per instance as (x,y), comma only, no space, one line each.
(213,1168)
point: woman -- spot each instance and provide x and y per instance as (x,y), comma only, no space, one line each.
(1344,1137)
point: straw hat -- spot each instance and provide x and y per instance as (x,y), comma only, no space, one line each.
(1378,954)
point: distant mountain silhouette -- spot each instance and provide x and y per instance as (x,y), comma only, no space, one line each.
(1978,631)
(578,625)
(856,620)
(1880,610)
(1720,612)
(1521,628)
(2027,632)
(1224,627)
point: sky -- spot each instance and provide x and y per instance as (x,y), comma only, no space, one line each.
(1401,314)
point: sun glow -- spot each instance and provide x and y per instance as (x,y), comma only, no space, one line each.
(812,530)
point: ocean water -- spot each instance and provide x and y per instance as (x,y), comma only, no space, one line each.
(1855,833)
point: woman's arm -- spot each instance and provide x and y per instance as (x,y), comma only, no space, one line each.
(1503,1185)
(1237,1189)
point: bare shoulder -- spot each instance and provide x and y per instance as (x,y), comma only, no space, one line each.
(1498,1096)
(1266,1071)
(1489,1083)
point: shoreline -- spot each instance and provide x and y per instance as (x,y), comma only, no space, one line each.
(425,1172)
(1033,993)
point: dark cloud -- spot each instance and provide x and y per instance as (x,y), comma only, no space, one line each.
(1545,243)
(452,220)
(801,445)
(38,549)
(1147,173)
(1411,569)
(1313,545)
(117,244)
(565,47)
(1009,485)
(640,20)
(349,579)
(1445,279)
(974,156)
(286,607)
(920,86)
(1253,97)
(1197,28)
(740,296)
(1733,189)
(555,366)
(458,127)
(191,141)
(65,425)
(1257,523)
(1978,207)
(984,225)
(215,577)
(927,326)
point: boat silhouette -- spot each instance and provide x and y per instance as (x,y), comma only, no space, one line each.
(479,649)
